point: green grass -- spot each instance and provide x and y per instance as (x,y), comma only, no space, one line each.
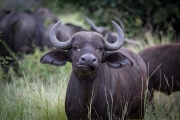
(166,107)
(38,94)
(148,40)
(74,18)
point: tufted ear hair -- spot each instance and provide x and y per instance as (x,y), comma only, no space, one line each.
(55,57)
(117,60)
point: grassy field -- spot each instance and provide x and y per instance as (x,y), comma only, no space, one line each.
(39,93)
(36,95)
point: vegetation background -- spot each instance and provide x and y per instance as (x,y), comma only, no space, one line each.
(39,93)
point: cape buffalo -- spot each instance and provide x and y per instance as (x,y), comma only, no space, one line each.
(46,15)
(3,13)
(21,32)
(63,33)
(111,36)
(106,82)
(163,64)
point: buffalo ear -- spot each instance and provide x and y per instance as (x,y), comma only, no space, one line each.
(117,60)
(55,57)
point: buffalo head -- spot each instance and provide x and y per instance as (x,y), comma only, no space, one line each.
(86,51)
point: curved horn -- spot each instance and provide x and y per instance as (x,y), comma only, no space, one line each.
(91,23)
(61,45)
(119,42)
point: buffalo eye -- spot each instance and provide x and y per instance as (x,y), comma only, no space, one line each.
(76,48)
(100,49)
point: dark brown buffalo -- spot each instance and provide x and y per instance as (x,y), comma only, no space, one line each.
(109,35)
(63,33)
(106,82)
(163,65)
(21,32)
(46,16)
(3,13)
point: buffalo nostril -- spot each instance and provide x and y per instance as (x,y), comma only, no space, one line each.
(94,60)
(83,59)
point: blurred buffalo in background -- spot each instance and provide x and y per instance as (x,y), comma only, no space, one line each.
(21,32)
(163,64)
(63,33)
(3,13)
(46,15)
(111,36)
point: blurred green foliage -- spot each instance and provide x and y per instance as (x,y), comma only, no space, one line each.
(156,16)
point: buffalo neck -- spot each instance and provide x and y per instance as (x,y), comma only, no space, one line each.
(83,90)
(85,87)
(83,94)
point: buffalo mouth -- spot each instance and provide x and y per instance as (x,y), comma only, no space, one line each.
(86,67)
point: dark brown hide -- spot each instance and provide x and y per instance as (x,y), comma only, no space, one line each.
(21,32)
(105,85)
(167,77)
(46,15)
(3,13)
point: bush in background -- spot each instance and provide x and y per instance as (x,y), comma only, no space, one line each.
(158,16)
